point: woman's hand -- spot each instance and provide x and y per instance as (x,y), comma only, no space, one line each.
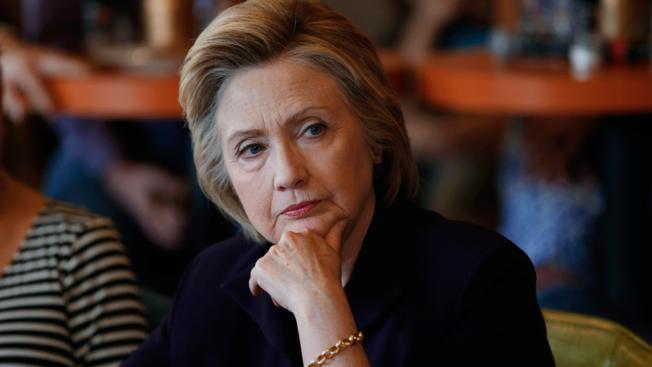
(302,273)
(300,269)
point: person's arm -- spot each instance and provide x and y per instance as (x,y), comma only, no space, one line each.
(425,22)
(155,351)
(106,315)
(24,68)
(499,323)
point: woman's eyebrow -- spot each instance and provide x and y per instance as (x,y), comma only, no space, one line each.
(297,116)
(288,123)
(239,134)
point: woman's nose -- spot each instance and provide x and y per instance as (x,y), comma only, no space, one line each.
(290,172)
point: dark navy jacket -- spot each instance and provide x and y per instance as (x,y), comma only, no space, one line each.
(425,291)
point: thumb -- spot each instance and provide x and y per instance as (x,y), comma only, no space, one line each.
(334,236)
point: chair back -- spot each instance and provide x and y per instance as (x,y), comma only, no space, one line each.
(156,306)
(580,340)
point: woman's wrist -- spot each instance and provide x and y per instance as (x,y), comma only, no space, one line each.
(313,303)
(327,314)
(322,320)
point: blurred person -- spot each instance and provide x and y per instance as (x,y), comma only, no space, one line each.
(137,174)
(68,296)
(551,200)
(549,195)
(299,138)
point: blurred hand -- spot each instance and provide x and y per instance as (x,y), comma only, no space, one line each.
(23,69)
(154,198)
(301,269)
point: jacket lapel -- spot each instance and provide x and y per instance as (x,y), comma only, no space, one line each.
(375,285)
(276,324)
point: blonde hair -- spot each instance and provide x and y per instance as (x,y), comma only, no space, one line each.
(258,31)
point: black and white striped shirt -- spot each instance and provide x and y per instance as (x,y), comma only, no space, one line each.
(68,297)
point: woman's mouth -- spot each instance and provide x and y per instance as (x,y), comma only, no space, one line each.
(301,209)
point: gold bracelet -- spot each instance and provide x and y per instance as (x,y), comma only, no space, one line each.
(335,349)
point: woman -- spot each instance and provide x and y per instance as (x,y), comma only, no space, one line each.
(67,294)
(299,138)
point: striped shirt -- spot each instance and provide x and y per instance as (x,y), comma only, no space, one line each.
(68,297)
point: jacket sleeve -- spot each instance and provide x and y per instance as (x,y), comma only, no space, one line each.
(155,351)
(499,322)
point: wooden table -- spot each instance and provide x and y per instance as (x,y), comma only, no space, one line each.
(117,95)
(123,95)
(474,82)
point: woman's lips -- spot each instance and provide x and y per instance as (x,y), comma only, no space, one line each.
(301,209)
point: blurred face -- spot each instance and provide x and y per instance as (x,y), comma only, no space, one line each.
(294,151)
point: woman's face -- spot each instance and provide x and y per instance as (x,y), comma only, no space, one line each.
(294,151)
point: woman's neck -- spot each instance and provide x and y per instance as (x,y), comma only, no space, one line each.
(351,247)
(18,205)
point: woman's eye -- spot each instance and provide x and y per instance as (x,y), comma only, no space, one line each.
(251,150)
(315,130)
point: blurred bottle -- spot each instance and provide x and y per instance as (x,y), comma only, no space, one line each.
(538,27)
(503,41)
(111,22)
(547,27)
(625,25)
(169,24)
(585,54)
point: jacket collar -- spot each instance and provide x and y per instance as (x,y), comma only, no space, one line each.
(374,288)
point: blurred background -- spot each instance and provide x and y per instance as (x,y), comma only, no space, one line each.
(530,117)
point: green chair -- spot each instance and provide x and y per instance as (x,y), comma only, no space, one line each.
(586,341)
(156,306)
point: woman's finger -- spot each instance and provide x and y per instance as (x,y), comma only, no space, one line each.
(254,287)
(276,302)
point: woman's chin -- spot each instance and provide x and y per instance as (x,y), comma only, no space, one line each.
(318,225)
